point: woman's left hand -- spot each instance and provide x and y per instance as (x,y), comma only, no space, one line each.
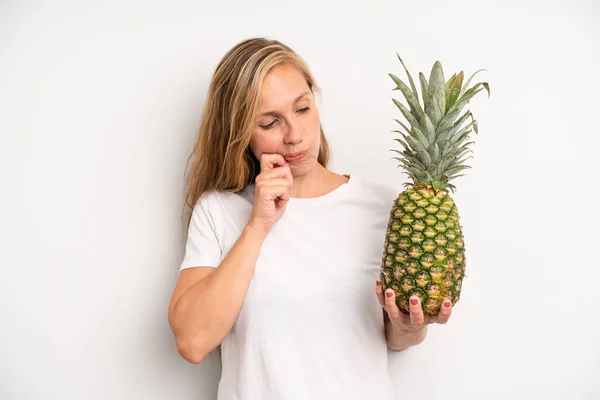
(416,320)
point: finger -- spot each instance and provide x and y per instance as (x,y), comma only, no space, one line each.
(279,172)
(416,312)
(379,292)
(445,312)
(283,194)
(390,304)
(270,184)
(268,161)
(274,188)
(281,202)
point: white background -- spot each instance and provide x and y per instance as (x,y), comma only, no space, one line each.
(99,106)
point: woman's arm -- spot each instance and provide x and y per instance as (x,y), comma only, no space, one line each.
(205,305)
(207,302)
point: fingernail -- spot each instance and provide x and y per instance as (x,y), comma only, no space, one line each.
(414,301)
(378,283)
(447,304)
(389,294)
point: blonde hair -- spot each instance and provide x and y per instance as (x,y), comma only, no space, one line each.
(221,158)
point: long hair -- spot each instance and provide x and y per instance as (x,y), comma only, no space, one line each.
(221,158)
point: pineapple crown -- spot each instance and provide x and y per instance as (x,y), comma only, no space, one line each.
(435,142)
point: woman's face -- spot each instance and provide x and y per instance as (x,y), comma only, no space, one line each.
(288,122)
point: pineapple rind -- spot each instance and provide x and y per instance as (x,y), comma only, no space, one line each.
(427,263)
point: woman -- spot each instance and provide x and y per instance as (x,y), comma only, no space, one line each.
(283,255)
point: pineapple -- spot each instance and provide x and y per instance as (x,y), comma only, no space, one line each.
(424,250)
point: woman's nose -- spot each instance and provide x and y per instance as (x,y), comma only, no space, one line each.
(293,134)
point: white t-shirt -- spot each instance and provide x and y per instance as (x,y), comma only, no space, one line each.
(311,326)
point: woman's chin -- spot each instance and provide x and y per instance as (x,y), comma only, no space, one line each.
(303,167)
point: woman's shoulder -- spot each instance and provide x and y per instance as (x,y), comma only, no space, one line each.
(216,199)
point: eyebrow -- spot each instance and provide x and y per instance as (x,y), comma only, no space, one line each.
(295,101)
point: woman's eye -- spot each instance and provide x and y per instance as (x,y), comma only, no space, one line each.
(302,111)
(269,126)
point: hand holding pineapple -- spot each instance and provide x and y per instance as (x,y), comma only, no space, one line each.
(416,319)
(272,192)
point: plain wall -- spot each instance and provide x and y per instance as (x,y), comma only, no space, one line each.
(99,107)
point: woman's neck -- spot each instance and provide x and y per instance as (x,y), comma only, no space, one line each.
(317,182)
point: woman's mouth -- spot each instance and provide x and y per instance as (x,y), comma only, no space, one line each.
(294,157)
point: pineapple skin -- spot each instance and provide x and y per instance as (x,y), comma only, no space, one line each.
(424,252)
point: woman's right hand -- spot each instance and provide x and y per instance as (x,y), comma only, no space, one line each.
(272,192)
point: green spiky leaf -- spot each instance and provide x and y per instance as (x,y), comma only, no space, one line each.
(415,145)
(424,141)
(448,120)
(409,117)
(410,79)
(453,89)
(437,94)
(423,121)
(425,157)
(469,81)
(435,144)
(436,152)
(424,90)
(402,125)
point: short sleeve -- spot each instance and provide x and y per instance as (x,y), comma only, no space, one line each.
(202,248)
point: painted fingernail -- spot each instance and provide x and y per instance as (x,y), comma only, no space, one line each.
(414,301)
(447,304)
(378,283)
(389,294)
